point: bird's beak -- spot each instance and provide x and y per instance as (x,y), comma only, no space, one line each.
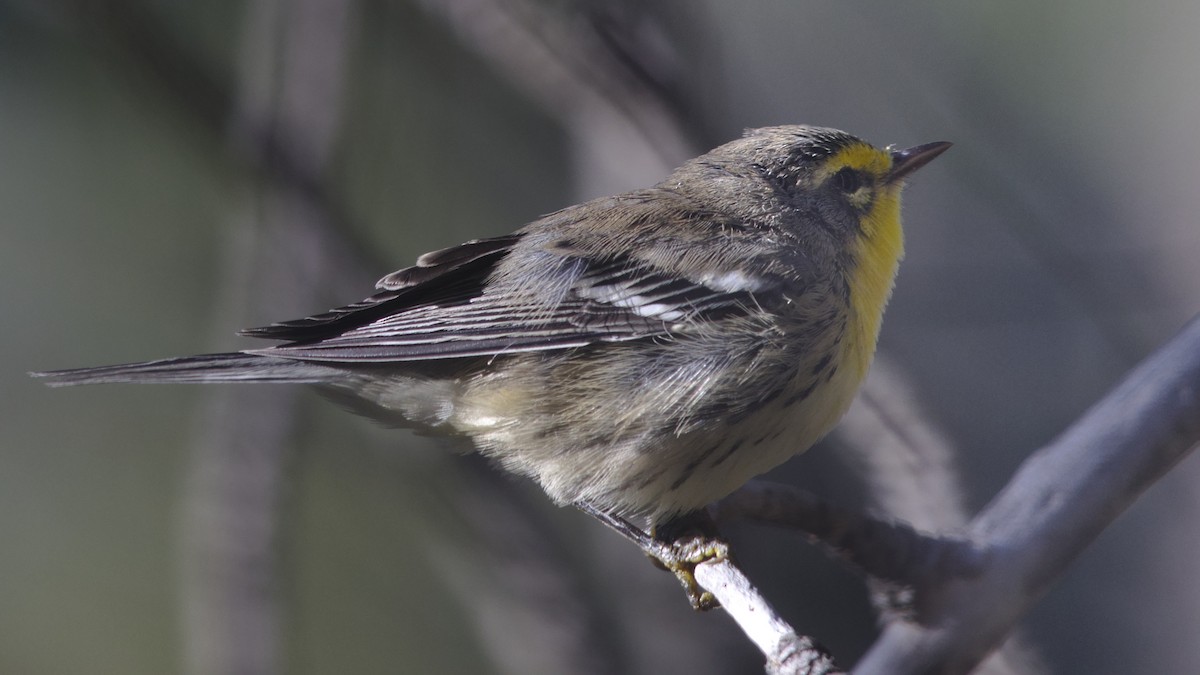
(907,161)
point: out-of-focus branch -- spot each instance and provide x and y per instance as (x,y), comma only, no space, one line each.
(884,549)
(268,147)
(626,129)
(972,591)
(1059,501)
(908,465)
(280,253)
(515,579)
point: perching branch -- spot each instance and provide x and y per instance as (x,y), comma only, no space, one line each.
(700,559)
(787,652)
(1058,502)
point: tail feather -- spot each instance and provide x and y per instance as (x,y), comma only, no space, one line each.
(228,367)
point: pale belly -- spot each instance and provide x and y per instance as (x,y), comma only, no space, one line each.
(634,468)
(701,467)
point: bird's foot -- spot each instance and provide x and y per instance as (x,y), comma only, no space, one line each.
(677,546)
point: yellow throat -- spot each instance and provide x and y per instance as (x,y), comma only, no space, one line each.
(876,251)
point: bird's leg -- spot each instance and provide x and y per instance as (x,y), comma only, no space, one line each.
(678,546)
(692,538)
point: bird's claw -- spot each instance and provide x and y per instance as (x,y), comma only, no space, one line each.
(681,556)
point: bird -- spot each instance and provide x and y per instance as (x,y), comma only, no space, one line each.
(640,355)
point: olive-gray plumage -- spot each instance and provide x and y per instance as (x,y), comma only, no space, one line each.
(645,353)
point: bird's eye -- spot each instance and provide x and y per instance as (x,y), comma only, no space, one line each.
(848,180)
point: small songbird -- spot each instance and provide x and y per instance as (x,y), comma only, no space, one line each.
(640,355)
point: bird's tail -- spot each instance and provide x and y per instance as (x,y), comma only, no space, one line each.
(229,367)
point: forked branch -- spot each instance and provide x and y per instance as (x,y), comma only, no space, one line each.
(991,575)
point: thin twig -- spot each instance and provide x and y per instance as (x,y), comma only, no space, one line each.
(787,652)
(699,558)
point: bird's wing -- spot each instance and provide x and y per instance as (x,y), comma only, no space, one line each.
(450,305)
(440,278)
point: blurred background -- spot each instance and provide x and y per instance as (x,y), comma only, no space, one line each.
(172,171)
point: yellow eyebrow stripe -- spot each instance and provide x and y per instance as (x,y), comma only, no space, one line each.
(861,156)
